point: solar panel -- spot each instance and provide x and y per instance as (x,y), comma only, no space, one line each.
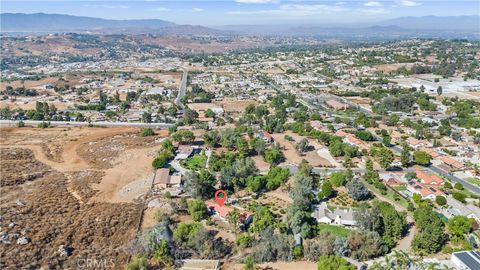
(468,260)
(476,253)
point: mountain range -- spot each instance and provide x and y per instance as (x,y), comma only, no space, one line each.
(427,26)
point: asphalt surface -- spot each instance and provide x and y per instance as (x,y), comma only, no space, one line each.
(182,89)
(78,124)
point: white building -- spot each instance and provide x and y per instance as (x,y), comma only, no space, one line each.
(338,216)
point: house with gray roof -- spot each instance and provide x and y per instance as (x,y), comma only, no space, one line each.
(337,216)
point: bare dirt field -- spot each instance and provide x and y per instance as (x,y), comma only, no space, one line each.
(291,154)
(234,105)
(69,194)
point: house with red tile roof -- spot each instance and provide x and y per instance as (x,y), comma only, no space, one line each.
(427,192)
(220,211)
(430,151)
(452,163)
(429,179)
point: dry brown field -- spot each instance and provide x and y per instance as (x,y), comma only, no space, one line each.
(78,187)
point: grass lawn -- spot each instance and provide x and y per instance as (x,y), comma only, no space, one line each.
(336,230)
(196,162)
(474,180)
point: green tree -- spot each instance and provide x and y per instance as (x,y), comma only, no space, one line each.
(262,219)
(201,184)
(162,254)
(209,113)
(338,179)
(439,90)
(421,158)
(327,190)
(385,157)
(197,209)
(333,262)
(211,138)
(440,200)
(357,190)
(458,226)
(302,146)
(386,140)
(147,117)
(273,155)
(405,156)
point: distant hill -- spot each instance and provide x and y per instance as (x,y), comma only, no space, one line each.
(436,22)
(21,22)
(44,23)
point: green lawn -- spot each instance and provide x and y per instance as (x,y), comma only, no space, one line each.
(196,162)
(336,230)
(474,180)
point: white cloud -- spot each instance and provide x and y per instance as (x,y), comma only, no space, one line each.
(161,9)
(409,3)
(107,6)
(294,10)
(198,9)
(375,11)
(373,4)
(256,1)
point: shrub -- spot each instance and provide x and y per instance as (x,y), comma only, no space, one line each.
(458,186)
(440,200)
(43,125)
(459,197)
(137,263)
(244,240)
(145,132)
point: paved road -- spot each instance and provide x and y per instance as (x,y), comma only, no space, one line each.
(321,170)
(78,124)
(182,89)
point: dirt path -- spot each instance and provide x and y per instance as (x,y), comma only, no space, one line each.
(406,242)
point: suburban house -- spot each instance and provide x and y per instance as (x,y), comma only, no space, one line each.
(457,208)
(417,143)
(338,216)
(429,179)
(451,164)
(352,139)
(163,179)
(430,151)
(426,191)
(244,218)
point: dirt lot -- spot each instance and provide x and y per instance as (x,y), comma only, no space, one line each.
(291,154)
(73,190)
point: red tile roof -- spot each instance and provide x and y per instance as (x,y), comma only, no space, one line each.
(429,179)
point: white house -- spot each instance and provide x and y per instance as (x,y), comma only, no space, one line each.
(338,216)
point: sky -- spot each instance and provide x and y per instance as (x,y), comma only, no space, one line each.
(249,12)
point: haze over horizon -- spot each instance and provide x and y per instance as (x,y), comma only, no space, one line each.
(250,12)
